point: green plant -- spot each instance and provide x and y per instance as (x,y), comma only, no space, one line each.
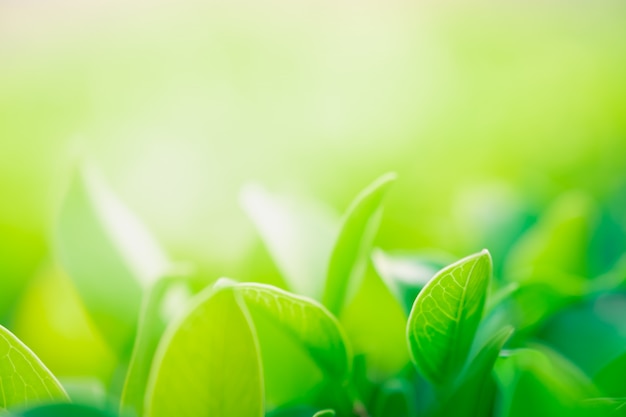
(253,349)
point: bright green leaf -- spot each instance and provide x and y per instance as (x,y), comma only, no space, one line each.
(445,317)
(307,321)
(350,252)
(24,379)
(208,363)
(298,233)
(108,254)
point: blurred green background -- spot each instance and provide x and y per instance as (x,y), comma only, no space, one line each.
(487,110)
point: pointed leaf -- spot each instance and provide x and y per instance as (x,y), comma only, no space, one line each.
(108,254)
(349,255)
(208,363)
(298,233)
(307,321)
(445,317)
(24,379)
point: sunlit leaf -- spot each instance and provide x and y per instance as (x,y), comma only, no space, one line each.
(108,254)
(445,317)
(308,322)
(299,234)
(24,379)
(208,363)
(349,255)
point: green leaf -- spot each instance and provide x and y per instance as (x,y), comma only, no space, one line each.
(108,254)
(350,252)
(406,274)
(396,398)
(475,392)
(445,317)
(307,321)
(540,382)
(208,363)
(24,379)
(299,234)
(556,244)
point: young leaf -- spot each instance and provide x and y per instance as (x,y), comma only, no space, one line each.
(475,392)
(24,379)
(406,274)
(108,254)
(298,233)
(445,317)
(356,235)
(307,321)
(208,363)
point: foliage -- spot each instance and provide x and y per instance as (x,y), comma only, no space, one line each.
(477,343)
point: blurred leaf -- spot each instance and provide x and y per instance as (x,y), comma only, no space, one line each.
(66,410)
(318,332)
(395,398)
(298,233)
(475,392)
(349,254)
(108,254)
(604,407)
(150,329)
(445,317)
(589,333)
(611,379)
(24,379)
(406,274)
(557,245)
(208,363)
(539,382)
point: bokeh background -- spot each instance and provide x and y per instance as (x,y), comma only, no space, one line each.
(489,111)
